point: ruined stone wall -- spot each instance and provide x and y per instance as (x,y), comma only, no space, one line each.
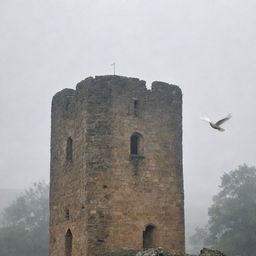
(111,194)
(67,181)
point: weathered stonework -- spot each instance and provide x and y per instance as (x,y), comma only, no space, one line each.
(102,197)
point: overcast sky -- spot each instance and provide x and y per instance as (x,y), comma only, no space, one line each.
(207,47)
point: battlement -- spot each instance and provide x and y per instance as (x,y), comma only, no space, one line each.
(161,93)
(116,81)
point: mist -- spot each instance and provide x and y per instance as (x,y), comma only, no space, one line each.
(207,47)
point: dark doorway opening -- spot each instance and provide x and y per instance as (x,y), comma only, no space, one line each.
(68,243)
(148,237)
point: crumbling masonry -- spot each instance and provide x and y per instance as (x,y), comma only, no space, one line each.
(116,167)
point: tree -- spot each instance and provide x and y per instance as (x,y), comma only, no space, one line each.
(198,239)
(232,216)
(24,229)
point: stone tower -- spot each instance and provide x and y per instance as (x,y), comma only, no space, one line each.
(116,167)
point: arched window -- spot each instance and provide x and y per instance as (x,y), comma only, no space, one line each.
(68,243)
(148,237)
(136,144)
(69,150)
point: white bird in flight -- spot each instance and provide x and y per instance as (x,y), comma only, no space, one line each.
(218,123)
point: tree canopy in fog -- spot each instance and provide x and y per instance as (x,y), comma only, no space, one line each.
(24,224)
(232,216)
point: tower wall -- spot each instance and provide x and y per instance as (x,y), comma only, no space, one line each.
(111,195)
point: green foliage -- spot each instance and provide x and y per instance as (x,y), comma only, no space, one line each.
(24,229)
(232,221)
(232,217)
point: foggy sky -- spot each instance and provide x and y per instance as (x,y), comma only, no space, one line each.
(207,47)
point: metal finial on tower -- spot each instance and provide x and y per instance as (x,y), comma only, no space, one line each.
(114,65)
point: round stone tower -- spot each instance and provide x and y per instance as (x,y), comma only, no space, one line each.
(116,167)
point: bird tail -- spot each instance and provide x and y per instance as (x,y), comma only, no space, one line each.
(221,129)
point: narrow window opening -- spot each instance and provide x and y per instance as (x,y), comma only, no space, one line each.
(67,214)
(69,150)
(136,107)
(68,243)
(134,144)
(148,237)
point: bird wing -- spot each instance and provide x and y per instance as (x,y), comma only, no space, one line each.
(223,120)
(205,119)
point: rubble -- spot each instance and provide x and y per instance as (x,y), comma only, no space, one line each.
(160,252)
(210,252)
(155,252)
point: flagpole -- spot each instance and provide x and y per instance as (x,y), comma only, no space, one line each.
(114,65)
